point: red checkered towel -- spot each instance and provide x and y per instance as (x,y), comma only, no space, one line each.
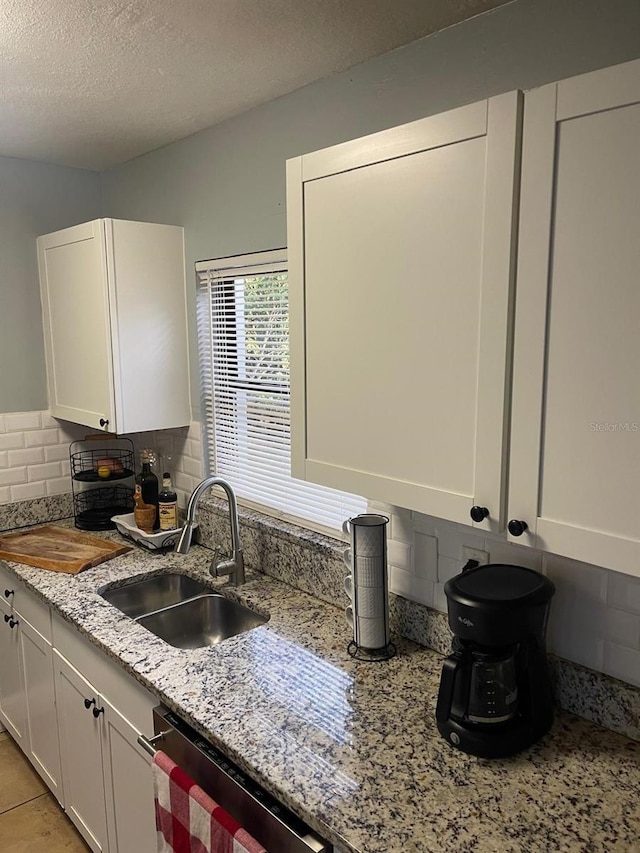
(189,821)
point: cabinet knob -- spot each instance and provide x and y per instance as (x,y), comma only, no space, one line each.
(6,617)
(88,703)
(104,422)
(13,623)
(97,711)
(8,592)
(478,513)
(517,528)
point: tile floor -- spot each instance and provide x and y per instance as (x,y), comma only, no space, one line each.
(31,821)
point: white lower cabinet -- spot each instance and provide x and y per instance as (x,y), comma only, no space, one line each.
(27,694)
(107,776)
(81,748)
(128,786)
(77,716)
(13,706)
(41,711)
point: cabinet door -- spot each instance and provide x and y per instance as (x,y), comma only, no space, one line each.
(81,752)
(42,718)
(13,710)
(73,282)
(575,447)
(401,268)
(145,263)
(128,786)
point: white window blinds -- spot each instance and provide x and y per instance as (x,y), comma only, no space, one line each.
(243,339)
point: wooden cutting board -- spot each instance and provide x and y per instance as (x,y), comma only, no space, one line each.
(58,549)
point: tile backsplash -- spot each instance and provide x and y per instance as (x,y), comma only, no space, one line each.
(34,455)
(180,453)
(595,613)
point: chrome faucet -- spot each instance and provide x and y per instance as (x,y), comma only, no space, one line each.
(234,565)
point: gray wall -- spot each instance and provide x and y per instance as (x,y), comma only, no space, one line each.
(226,185)
(35,198)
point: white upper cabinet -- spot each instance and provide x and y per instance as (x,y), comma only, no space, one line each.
(575,447)
(401,269)
(113,301)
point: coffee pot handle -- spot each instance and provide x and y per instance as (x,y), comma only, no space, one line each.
(446,694)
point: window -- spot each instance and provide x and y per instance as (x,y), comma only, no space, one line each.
(243,339)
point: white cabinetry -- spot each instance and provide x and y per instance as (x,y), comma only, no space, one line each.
(128,785)
(113,301)
(400,247)
(13,706)
(108,782)
(27,697)
(80,739)
(575,447)
(42,717)
(401,265)
(79,733)
(107,775)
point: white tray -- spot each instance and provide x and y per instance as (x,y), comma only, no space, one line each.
(153,541)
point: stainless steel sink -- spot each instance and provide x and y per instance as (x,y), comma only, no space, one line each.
(202,621)
(154,593)
(182,611)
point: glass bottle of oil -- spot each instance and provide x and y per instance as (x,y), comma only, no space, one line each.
(149,485)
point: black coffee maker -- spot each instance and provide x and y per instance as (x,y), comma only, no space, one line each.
(495,694)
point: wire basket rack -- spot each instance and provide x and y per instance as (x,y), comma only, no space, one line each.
(102,480)
(97,464)
(94,508)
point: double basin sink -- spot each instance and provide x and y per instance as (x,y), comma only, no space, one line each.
(182,611)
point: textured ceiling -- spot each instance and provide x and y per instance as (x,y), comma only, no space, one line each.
(93,83)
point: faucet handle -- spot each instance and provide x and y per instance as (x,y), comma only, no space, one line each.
(233,565)
(218,563)
(225,567)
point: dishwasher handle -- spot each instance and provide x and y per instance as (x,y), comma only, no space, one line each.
(148,743)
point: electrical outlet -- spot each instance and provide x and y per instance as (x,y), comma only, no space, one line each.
(478,554)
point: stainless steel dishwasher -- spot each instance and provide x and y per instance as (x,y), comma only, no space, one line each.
(270,823)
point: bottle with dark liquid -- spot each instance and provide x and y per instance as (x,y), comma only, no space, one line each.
(167,504)
(149,486)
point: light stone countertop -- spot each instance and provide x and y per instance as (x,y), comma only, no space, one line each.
(352,747)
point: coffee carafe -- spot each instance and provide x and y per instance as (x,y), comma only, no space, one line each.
(495,695)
